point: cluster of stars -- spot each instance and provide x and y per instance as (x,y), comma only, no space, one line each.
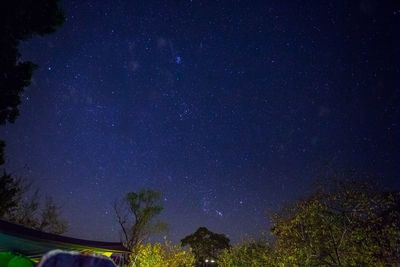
(228,109)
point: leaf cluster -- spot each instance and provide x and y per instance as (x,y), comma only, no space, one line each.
(248,253)
(351,224)
(163,255)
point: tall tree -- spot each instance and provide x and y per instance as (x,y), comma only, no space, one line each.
(206,245)
(19,21)
(348,224)
(136,214)
(30,210)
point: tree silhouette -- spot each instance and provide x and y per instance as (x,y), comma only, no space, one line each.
(206,244)
(10,190)
(136,213)
(19,21)
(21,204)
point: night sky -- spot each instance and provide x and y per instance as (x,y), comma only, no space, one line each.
(230,108)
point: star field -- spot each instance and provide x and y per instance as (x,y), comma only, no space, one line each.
(230,109)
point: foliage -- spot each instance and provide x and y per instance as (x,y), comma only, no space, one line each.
(136,214)
(163,255)
(19,206)
(349,224)
(36,214)
(50,220)
(19,21)
(206,244)
(346,223)
(249,253)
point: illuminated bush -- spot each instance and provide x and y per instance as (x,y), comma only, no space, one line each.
(163,255)
(250,253)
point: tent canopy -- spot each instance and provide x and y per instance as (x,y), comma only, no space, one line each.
(32,243)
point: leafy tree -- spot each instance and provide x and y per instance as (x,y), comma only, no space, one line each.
(19,21)
(348,224)
(249,253)
(136,215)
(206,244)
(163,255)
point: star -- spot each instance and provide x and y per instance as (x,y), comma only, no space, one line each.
(228,113)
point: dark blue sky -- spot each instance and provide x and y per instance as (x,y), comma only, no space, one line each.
(230,108)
